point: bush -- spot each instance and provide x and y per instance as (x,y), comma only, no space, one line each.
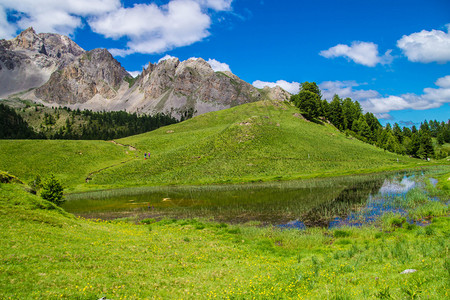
(52,191)
(340,233)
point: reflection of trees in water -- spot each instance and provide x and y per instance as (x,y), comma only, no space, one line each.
(349,199)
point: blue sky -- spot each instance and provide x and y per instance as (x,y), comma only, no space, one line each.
(392,56)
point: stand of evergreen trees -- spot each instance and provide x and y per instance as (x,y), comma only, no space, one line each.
(347,116)
(110,125)
(81,125)
(12,125)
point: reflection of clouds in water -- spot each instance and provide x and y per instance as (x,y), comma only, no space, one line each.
(393,186)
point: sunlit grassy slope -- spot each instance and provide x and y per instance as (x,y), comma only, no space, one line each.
(70,161)
(256,141)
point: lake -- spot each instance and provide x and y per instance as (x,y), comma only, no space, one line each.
(326,202)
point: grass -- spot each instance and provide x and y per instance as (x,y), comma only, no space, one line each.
(261,141)
(70,161)
(48,254)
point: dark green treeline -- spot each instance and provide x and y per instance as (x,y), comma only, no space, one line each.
(347,116)
(64,123)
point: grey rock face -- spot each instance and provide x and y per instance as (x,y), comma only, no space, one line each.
(94,72)
(28,60)
(191,85)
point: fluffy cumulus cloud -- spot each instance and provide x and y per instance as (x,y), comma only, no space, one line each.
(430,98)
(345,89)
(426,46)
(444,82)
(165,57)
(218,66)
(291,87)
(50,15)
(149,28)
(363,53)
(154,29)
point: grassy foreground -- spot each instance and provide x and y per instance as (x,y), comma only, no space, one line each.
(70,161)
(261,141)
(46,253)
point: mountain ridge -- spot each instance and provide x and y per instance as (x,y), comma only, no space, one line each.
(53,70)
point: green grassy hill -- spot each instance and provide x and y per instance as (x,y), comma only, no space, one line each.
(252,142)
(256,141)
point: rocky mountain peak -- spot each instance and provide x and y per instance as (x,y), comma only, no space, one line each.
(198,65)
(60,72)
(96,72)
(28,40)
(60,46)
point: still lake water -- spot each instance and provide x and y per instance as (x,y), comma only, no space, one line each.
(329,202)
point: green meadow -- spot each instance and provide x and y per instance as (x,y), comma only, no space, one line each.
(47,253)
(262,141)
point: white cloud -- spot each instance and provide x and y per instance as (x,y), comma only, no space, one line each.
(360,52)
(149,28)
(384,116)
(372,101)
(165,57)
(443,82)
(7,31)
(345,89)
(218,66)
(134,73)
(291,87)
(426,46)
(218,5)
(53,15)
(431,98)
(154,29)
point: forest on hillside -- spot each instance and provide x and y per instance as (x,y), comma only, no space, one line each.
(347,115)
(64,123)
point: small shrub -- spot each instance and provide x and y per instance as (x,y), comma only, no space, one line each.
(200,226)
(222,225)
(234,230)
(147,221)
(390,221)
(344,242)
(341,233)
(408,226)
(52,191)
(429,230)
(378,235)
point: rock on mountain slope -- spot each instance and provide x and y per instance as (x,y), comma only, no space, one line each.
(59,72)
(191,85)
(95,72)
(28,60)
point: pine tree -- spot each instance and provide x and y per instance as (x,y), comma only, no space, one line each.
(52,191)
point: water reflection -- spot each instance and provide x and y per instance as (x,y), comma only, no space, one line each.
(379,202)
(331,202)
(397,186)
